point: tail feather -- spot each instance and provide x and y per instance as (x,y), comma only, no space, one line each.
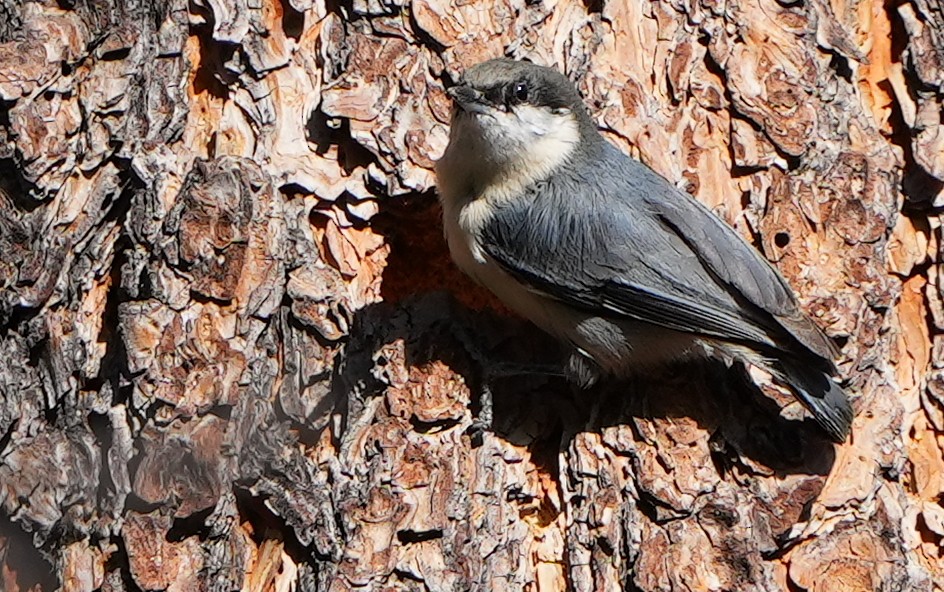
(821,395)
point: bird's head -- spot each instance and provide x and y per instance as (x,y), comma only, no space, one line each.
(514,118)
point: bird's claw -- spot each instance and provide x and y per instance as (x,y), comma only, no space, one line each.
(482,421)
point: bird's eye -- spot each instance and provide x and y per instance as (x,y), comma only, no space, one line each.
(520,92)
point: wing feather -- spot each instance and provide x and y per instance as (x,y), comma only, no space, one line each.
(626,243)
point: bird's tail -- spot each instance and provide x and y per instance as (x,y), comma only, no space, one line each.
(820,394)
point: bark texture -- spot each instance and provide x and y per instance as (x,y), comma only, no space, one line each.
(236,356)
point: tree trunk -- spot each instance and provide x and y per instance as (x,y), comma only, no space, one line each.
(237,356)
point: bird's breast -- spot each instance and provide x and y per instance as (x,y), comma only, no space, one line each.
(461,238)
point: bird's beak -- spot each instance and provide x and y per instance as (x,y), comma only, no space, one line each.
(467,98)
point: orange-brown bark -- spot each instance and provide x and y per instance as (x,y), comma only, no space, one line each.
(238,357)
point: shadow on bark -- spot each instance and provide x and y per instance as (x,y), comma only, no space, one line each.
(22,567)
(529,409)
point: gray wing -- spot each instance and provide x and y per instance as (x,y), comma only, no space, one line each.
(739,267)
(626,243)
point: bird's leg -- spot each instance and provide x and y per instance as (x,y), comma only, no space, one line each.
(482,421)
(492,370)
(489,370)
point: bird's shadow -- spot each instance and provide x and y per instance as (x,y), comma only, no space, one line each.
(534,410)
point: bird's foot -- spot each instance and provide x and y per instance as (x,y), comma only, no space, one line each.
(482,421)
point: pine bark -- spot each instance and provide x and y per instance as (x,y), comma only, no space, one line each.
(237,356)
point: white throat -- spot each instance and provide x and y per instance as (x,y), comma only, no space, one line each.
(495,155)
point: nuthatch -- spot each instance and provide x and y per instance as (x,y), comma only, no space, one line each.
(606,255)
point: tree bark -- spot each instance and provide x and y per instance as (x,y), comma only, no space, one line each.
(237,356)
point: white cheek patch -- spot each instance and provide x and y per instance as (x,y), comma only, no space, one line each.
(528,135)
(523,125)
(551,137)
(539,121)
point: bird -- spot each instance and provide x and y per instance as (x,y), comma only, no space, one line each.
(627,271)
